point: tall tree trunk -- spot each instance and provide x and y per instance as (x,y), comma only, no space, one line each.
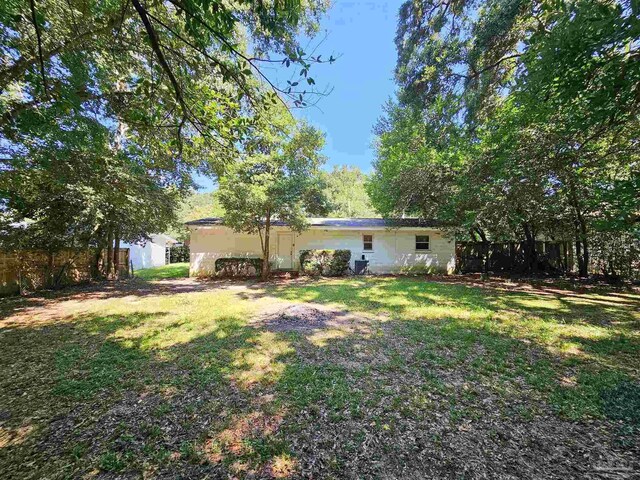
(582,251)
(613,269)
(584,267)
(531,255)
(581,235)
(485,251)
(98,257)
(265,248)
(50,274)
(109,272)
(116,254)
(578,252)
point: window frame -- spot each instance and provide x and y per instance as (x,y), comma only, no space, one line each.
(428,242)
(364,242)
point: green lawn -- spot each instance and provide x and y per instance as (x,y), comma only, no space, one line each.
(173,270)
(402,378)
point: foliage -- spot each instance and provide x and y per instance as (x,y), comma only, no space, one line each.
(191,76)
(238,267)
(196,205)
(616,255)
(179,254)
(73,188)
(107,108)
(280,183)
(329,263)
(515,120)
(346,193)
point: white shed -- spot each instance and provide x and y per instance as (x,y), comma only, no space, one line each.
(150,253)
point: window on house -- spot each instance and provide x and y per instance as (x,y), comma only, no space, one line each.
(368,242)
(422,242)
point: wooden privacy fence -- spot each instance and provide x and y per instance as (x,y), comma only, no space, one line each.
(31,270)
(551,257)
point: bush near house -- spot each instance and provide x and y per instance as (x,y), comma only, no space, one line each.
(329,263)
(238,267)
(179,254)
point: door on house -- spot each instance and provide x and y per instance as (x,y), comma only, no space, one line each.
(285,251)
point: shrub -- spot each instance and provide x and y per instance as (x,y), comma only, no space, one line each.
(331,263)
(616,255)
(178,254)
(238,267)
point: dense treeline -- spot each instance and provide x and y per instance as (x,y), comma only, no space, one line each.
(107,108)
(347,197)
(518,120)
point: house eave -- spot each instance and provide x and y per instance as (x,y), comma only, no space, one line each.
(327,228)
(350,224)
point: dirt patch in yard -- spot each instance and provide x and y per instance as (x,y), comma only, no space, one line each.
(308,317)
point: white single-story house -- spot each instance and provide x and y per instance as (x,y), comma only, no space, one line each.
(150,253)
(390,245)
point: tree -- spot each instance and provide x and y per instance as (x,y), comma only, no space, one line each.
(346,193)
(514,120)
(108,108)
(74,190)
(195,206)
(275,184)
(177,68)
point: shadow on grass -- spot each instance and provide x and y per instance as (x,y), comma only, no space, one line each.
(607,332)
(132,393)
(134,287)
(397,294)
(110,391)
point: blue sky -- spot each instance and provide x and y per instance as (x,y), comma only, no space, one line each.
(361,34)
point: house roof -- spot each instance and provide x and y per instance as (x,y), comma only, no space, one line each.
(341,222)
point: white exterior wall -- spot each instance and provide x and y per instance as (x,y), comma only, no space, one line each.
(393,249)
(206,244)
(146,254)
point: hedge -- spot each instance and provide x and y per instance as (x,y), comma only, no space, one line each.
(238,267)
(331,263)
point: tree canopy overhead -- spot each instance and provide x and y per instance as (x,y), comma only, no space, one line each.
(515,119)
(108,107)
(189,73)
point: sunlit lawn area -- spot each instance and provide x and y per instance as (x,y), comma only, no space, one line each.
(404,378)
(173,270)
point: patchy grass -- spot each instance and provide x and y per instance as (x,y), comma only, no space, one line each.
(173,270)
(418,379)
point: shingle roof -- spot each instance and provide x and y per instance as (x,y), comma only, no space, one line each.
(343,222)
